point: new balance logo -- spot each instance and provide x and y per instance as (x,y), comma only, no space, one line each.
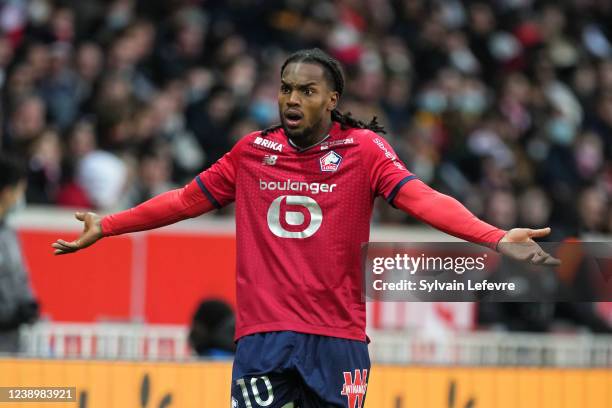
(355,389)
(270,159)
(268,144)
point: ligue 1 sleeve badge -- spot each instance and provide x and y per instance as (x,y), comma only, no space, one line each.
(330,161)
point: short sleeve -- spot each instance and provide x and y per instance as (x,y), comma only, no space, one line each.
(218,183)
(387,173)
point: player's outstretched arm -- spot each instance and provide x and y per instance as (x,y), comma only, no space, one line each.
(164,209)
(449,215)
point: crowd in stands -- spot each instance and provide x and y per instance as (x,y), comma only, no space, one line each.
(505,105)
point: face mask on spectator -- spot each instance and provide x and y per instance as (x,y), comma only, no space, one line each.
(471,102)
(39,12)
(118,19)
(464,61)
(194,94)
(561,131)
(264,112)
(432,101)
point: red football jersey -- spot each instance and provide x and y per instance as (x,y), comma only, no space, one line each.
(301,217)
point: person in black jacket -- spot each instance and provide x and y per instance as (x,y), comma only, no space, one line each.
(17,303)
(212,330)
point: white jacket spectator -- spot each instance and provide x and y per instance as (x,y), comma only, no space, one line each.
(103,177)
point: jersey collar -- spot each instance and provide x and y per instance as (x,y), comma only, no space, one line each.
(332,130)
(303,149)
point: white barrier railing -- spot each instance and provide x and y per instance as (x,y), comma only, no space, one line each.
(493,349)
(155,342)
(106,341)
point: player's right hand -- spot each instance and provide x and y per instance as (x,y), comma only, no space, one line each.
(92,232)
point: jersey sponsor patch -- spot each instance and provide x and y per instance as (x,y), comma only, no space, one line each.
(328,145)
(355,388)
(268,144)
(330,162)
(388,154)
(301,186)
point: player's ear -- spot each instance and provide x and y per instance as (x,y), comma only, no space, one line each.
(333,101)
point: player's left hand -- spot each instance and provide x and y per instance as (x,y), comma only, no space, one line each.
(518,244)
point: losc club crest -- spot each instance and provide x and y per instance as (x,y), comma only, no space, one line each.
(330,161)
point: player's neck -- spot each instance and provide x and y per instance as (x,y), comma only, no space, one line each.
(301,149)
(316,137)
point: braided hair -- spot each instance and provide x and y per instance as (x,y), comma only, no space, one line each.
(333,73)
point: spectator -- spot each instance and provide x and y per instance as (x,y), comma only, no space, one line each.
(26,123)
(44,168)
(477,96)
(17,303)
(153,174)
(212,330)
(102,175)
(81,141)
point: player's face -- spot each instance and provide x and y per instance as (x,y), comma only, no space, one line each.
(305,101)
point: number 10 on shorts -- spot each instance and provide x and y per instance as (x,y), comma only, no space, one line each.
(255,392)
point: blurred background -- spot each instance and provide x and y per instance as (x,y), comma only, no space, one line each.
(505,105)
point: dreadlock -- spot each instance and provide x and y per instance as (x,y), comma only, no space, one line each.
(335,76)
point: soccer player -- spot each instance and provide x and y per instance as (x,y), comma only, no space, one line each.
(304,191)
